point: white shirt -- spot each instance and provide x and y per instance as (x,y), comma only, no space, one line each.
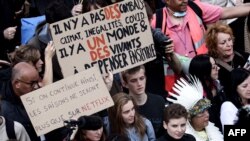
(228,114)
(21,134)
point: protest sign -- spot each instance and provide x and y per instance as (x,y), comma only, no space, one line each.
(82,94)
(115,38)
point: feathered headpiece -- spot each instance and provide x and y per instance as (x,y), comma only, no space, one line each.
(190,95)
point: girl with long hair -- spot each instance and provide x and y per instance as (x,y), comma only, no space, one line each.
(125,120)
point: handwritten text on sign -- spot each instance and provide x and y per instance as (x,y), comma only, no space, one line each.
(116,37)
(82,94)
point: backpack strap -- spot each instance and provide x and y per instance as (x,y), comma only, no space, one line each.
(159,17)
(197,10)
(238,54)
(224,64)
(10,129)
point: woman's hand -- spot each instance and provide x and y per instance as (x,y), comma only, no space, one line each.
(50,50)
(76,10)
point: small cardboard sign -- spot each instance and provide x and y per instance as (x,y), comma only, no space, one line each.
(82,94)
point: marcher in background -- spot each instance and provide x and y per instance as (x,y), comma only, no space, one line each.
(190,95)
(180,22)
(125,120)
(238,25)
(219,40)
(175,120)
(166,61)
(134,80)
(184,21)
(19,130)
(239,96)
(31,55)
(206,70)
(11,11)
(12,130)
(24,79)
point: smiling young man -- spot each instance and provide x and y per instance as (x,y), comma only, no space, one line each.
(149,105)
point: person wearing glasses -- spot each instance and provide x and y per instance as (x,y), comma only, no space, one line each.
(206,70)
(24,79)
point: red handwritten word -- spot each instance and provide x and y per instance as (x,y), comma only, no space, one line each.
(112,12)
(98,48)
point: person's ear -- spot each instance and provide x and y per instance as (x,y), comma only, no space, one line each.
(165,125)
(125,84)
(16,84)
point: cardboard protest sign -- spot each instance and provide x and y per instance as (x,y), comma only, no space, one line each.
(115,38)
(82,94)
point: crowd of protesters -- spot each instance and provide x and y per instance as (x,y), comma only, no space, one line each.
(199,81)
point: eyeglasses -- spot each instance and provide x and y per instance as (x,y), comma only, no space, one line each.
(33,84)
(215,67)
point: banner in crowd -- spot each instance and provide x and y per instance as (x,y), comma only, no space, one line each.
(114,38)
(82,94)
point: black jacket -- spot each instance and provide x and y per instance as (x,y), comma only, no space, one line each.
(186,137)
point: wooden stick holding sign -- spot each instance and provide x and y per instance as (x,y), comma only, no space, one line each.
(82,94)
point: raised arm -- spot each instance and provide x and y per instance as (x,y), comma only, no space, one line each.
(48,73)
(236,11)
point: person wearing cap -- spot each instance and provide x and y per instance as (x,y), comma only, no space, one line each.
(175,119)
(190,95)
(90,130)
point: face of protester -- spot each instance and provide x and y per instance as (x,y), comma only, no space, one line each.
(93,135)
(27,83)
(39,65)
(176,127)
(225,45)
(136,82)
(200,121)
(243,90)
(128,113)
(215,69)
(177,5)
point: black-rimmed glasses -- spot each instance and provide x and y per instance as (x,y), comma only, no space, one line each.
(33,84)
